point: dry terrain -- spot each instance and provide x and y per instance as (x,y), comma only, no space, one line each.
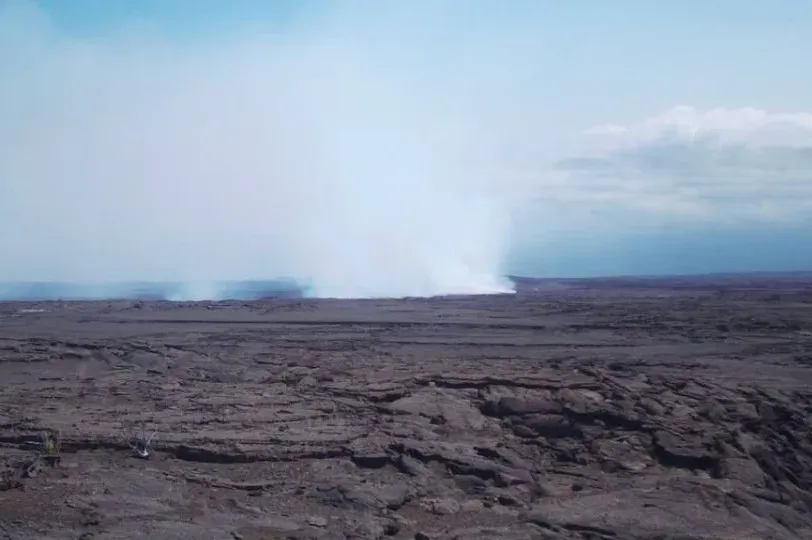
(606,410)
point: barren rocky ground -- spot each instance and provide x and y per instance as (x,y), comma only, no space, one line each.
(611,411)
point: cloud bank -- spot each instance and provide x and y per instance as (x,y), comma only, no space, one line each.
(717,165)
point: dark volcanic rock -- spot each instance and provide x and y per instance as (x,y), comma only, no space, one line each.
(551,425)
(685,451)
(513,406)
(619,410)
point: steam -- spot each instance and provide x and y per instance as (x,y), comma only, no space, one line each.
(360,153)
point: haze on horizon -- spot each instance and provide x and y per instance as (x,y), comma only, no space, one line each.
(415,148)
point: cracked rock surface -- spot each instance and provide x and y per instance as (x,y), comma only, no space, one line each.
(607,411)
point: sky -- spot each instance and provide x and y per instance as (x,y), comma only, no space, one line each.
(402,148)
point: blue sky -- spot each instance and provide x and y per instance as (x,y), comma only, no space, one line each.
(411,147)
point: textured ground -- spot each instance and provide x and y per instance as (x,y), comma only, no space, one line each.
(621,411)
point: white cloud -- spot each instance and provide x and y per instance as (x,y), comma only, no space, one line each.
(750,126)
(720,164)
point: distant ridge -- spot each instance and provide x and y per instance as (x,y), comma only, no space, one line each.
(289,288)
(747,280)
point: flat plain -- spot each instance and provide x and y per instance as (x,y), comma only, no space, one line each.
(604,410)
